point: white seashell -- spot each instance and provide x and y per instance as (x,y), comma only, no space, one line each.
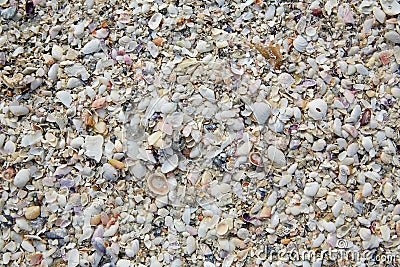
(153,49)
(207,93)
(387,190)
(222,228)
(317,109)
(158,184)
(390,7)
(73,83)
(329,5)
(366,7)
(77,142)
(154,137)
(73,258)
(385,232)
(123,263)
(261,112)
(276,156)
(92,46)
(9,147)
(367,190)
(79,29)
(352,149)
(65,98)
(379,14)
(311,31)
(367,143)
(343,230)
(22,178)
(270,13)
(190,245)
(311,189)
(392,36)
(286,79)
(94,147)
(395,92)
(19,110)
(109,172)
(57,52)
(170,164)
(365,233)
(319,145)
(300,43)
(53,72)
(155,21)
(337,207)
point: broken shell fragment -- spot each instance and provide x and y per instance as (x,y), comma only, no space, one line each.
(158,184)
(255,158)
(317,109)
(222,228)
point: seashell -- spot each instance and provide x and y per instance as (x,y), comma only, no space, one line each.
(101,33)
(32,212)
(65,98)
(317,109)
(157,183)
(261,112)
(19,110)
(311,189)
(365,117)
(390,7)
(53,72)
(255,158)
(94,147)
(190,245)
(379,14)
(91,47)
(319,145)
(311,31)
(365,233)
(300,43)
(153,49)
(387,190)
(392,36)
(116,164)
(22,178)
(222,228)
(352,149)
(57,52)
(155,21)
(73,258)
(100,127)
(276,156)
(109,172)
(8,174)
(98,103)
(346,15)
(395,91)
(343,230)
(366,7)
(159,41)
(286,79)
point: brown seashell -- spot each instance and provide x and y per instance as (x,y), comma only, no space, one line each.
(98,103)
(366,117)
(159,41)
(285,241)
(116,164)
(95,220)
(35,259)
(87,118)
(255,158)
(158,184)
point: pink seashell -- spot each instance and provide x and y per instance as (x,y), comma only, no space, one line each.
(127,59)
(101,33)
(385,57)
(348,16)
(99,103)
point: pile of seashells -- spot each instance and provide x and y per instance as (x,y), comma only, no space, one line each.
(204,133)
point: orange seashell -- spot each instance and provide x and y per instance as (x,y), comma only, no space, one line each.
(285,241)
(158,41)
(35,259)
(99,103)
(116,164)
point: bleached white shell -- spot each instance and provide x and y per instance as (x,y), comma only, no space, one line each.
(53,71)
(319,145)
(379,14)
(94,147)
(170,164)
(311,189)
(367,143)
(300,43)
(19,110)
(190,245)
(276,156)
(73,258)
(392,36)
(390,7)
(92,46)
(367,190)
(365,234)
(222,227)
(65,98)
(261,112)
(155,21)
(317,109)
(158,184)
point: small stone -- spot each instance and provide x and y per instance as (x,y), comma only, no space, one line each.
(32,212)
(123,263)
(65,98)
(91,47)
(311,189)
(19,110)
(22,178)
(57,52)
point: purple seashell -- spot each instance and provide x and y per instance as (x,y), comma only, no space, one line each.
(92,27)
(99,232)
(98,244)
(127,59)
(67,182)
(62,170)
(78,210)
(29,7)
(309,83)
(2,58)
(294,144)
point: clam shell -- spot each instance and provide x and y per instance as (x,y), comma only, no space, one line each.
(379,14)
(317,109)
(155,21)
(390,7)
(158,184)
(255,158)
(222,227)
(300,43)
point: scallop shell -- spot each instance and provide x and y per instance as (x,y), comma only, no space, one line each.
(390,7)
(300,43)
(157,183)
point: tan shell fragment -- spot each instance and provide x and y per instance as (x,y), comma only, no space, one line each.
(222,228)
(116,164)
(158,184)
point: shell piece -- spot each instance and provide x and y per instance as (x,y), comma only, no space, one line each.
(19,110)
(300,43)
(261,112)
(170,164)
(317,109)
(222,227)
(158,184)
(390,7)
(91,47)
(255,158)
(379,14)
(155,21)
(22,178)
(65,98)
(392,36)
(94,147)
(73,258)
(276,156)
